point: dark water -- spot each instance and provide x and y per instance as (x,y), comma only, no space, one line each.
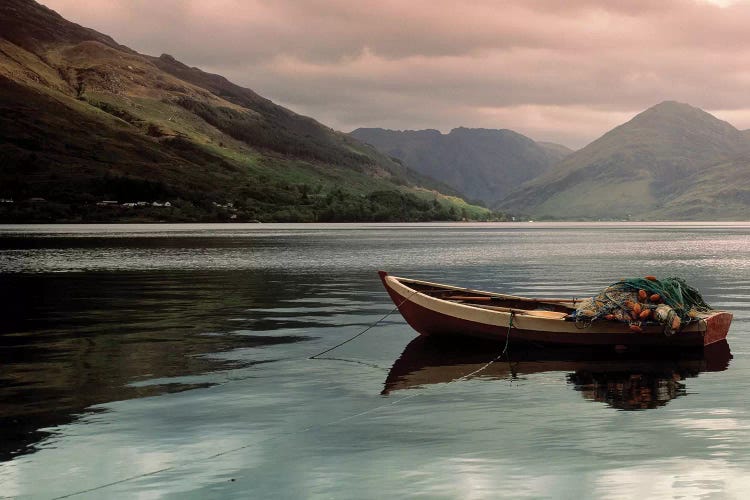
(171,361)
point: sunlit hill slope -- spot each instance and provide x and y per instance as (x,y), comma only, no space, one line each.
(84,120)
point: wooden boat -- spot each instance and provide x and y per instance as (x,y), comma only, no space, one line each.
(437,309)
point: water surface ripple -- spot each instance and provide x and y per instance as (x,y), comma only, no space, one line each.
(174,357)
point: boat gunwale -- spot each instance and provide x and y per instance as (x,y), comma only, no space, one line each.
(551,301)
(522,320)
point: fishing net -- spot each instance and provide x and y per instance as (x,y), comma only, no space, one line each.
(638,301)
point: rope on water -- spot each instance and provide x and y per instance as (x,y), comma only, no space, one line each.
(496,358)
(306,429)
(507,336)
(278,436)
(373,325)
(356,362)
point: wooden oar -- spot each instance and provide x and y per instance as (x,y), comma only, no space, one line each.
(572,301)
(480,298)
(526,312)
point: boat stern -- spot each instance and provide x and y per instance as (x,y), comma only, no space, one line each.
(717,327)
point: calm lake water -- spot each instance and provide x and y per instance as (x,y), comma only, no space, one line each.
(170,361)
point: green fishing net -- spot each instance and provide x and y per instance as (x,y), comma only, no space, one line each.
(638,301)
(673,291)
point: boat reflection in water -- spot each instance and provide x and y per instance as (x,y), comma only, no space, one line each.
(624,380)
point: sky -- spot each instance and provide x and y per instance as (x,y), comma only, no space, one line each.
(564,71)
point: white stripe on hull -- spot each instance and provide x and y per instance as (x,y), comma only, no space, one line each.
(522,320)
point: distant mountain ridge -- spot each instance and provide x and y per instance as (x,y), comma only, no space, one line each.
(482,164)
(556,151)
(656,165)
(84,119)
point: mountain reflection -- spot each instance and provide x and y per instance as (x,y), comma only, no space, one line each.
(72,340)
(627,381)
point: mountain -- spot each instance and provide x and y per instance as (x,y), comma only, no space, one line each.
(482,164)
(721,191)
(556,152)
(84,120)
(656,166)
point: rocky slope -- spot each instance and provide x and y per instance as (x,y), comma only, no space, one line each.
(482,164)
(84,120)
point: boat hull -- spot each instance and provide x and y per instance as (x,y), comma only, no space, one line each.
(433,316)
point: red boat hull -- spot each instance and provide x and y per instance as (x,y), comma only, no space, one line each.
(429,320)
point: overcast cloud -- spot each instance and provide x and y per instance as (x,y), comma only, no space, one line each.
(557,70)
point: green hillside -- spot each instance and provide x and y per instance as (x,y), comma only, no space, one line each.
(481,164)
(719,192)
(659,165)
(85,120)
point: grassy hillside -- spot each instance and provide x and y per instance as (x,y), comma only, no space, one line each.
(721,191)
(482,164)
(646,168)
(85,120)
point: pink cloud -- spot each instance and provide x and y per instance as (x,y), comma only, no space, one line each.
(564,70)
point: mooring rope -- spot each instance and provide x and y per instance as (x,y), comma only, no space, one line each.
(497,358)
(310,428)
(278,436)
(373,325)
